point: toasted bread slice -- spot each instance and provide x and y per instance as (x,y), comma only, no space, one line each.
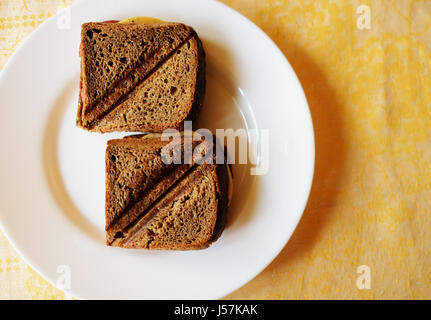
(185,208)
(171,95)
(121,86)
(135,177)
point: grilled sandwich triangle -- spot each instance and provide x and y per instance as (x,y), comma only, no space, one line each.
(153,205)
(139,77)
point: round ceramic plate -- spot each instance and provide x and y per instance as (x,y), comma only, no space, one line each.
(52,173)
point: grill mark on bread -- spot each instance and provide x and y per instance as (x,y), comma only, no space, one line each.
(145,199)
(134,231)
(131,42)
(124,89)
(143,218)
(133,188)
(187,218)
(129,164)
(138,196)
(98,109)
(126,95)
(151,106)
(202,206)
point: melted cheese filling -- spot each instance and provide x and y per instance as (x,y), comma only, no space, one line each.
(141,20)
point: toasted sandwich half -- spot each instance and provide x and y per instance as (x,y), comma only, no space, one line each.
(139,77)
(153,205)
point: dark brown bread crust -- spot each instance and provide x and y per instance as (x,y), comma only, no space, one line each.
(200,84)
(222,195)
(91,115)
(134,224)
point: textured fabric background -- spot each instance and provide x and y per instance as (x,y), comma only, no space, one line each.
(370,97)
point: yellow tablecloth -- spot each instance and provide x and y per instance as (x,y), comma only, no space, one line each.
(370,97)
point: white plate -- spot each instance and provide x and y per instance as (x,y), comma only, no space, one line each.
(52,173)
